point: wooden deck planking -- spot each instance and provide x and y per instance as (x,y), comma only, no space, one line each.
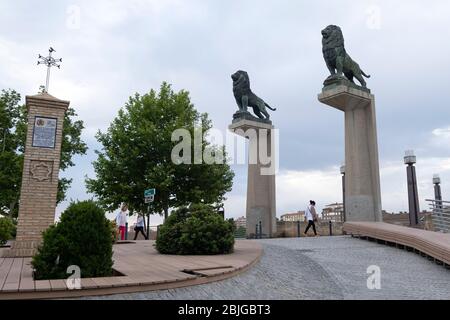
(88,283)
(26,278)
(142,266)
(209,273)
(105,282)
(4,270)
(436,245)
(58,285)
(13,279)
(42,285)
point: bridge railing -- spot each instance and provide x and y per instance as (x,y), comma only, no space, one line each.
(440,215)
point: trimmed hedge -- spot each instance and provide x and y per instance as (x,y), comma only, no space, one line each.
(81,238)
(198,230)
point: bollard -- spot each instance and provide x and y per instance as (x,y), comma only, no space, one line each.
(298,228)
(331,228)
(126,231)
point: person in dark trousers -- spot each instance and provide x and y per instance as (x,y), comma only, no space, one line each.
(139,227)
(311,217)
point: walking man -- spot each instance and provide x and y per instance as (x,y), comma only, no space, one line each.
(311,217)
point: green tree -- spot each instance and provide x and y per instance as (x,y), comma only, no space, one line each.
(136,155)
(13,128)
(7,229)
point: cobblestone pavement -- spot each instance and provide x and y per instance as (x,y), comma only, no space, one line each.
(321,268)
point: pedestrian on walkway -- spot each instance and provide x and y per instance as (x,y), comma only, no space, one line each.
(121,221)
(311,217)
(139,227)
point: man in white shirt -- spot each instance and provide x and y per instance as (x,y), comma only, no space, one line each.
(121,220)
(311,217)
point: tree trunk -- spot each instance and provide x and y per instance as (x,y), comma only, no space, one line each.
(166,212)
(12,205)
(148,226)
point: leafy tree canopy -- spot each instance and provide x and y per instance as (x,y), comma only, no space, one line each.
(137,150)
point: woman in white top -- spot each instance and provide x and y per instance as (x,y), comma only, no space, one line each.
(311,216)
(139,227)
(121,220)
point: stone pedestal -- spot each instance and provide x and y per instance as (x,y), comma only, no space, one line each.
(261,192)
(362,174)
(40,172)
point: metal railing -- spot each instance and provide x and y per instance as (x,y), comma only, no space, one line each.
(440,215)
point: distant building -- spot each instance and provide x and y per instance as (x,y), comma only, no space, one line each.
(240,222)
(293,217)
(402,218)
(333,212)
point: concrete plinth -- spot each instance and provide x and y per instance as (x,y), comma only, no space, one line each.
(261,202)
(362,174)
(40,172)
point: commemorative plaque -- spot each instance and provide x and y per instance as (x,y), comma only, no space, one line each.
(44,133)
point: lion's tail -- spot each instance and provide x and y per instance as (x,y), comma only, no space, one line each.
(364,74)
(273,109)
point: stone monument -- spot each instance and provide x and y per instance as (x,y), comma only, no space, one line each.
(40,169)
(40,172)
(362,175)
(261,191)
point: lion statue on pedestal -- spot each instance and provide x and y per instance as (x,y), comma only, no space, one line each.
(337,59)
(246,98)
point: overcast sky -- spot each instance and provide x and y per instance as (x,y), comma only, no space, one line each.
(112,49)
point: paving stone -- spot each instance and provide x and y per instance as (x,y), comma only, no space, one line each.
(321,268)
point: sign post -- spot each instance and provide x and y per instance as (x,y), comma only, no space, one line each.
(149,197)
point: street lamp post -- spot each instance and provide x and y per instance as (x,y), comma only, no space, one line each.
(437,188)
(437,192)
(413,198)
(343,192)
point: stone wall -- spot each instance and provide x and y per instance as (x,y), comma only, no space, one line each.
(286,229)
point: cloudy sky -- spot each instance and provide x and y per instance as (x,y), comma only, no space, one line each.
(114,48)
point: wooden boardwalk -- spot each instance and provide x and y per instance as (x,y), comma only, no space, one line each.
(432,244)
(141,267)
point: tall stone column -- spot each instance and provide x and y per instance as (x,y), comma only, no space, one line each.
(362,174)
(261,191)
(40,172)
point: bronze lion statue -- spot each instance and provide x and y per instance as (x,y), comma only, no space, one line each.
(246,98)
(337,59)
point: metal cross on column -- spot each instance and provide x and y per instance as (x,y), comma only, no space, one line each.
(49,62)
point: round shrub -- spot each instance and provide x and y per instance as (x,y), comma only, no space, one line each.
(81,238)
(197,230)
(7,230)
